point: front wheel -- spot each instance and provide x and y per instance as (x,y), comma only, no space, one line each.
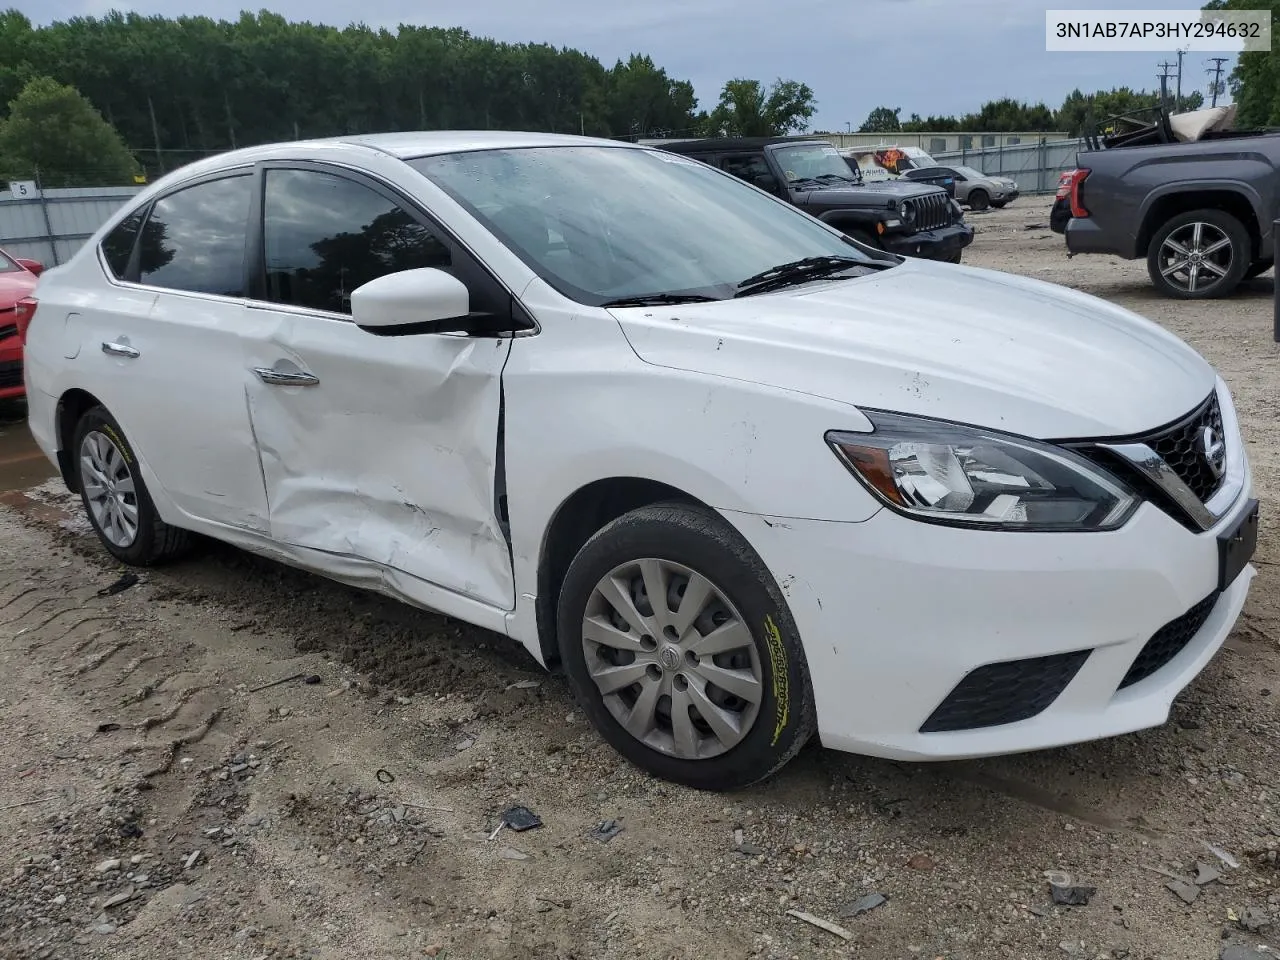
(680,649)
(1199,255)
(979,200)
(115,496)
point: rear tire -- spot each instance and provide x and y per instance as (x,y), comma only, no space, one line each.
(979,200)
(1199,255)
(731,663)
(115,497)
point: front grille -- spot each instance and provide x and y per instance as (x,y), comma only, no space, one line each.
(1180,447)
(1000,693)
(1167,642)
(932,211)
(10,374)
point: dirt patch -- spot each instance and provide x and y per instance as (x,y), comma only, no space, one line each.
(172,805)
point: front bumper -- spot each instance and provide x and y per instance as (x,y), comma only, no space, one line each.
(941,244)
(895,613)
(11,377)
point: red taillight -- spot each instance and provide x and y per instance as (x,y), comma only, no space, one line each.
(25,310)
(1064,184)
(1077,181)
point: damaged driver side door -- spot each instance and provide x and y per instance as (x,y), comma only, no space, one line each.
(378,448)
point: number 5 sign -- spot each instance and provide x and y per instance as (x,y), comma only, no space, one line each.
(23,189)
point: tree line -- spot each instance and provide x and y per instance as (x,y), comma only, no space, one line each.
(1255,80)
(1007,115)
(176,88)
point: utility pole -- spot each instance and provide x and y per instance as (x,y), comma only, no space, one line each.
(1163,77)
(1178,100)
(1216,88)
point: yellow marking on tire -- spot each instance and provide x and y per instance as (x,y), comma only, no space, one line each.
(120,444)
(778,667)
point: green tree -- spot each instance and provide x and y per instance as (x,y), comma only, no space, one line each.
(746,109)
(883,120)
(1255,81)
(56,133)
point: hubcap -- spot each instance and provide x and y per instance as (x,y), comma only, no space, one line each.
(109,489)
(1196,256)
(672,658)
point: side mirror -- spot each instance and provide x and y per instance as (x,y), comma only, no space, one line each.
(425,300)
(766,181)
(35,266)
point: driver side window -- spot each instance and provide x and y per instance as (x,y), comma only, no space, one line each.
(324,235)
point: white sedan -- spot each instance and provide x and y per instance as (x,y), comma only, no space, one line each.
(744,479)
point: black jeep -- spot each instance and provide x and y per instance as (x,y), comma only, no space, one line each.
(912,219)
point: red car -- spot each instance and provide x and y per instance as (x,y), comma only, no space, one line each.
(17,280)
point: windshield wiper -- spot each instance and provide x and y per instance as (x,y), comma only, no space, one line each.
(836,176)
(658,300)
(799,271)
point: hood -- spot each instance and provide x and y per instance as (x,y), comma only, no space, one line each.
(14,285)
(938,340)
(874,193)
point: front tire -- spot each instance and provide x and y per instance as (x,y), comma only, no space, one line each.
(979,200)
(115,497)
(1199,255)
(680,649)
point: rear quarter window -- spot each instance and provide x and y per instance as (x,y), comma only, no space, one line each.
(117,246)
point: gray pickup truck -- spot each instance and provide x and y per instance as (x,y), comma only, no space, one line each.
(1200,211)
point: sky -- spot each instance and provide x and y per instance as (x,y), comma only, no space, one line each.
(936,57)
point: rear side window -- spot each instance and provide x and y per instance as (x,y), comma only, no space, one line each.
(194,239)
(325,235)
(746,166)
(117,246)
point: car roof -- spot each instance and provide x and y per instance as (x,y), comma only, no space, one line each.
(410,144)
(713,144)
(405,145)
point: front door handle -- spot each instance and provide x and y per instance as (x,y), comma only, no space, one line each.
(119,350)
(281,379)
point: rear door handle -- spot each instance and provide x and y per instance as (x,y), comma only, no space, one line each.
(119,350)
(280,378)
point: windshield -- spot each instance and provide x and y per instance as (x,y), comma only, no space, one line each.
(970,174)
(605,223)
(7,265)
(811,161)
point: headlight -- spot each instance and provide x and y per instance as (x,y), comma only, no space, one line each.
(966,476)
(906,212)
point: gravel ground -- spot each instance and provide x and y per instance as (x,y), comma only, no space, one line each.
(160,803)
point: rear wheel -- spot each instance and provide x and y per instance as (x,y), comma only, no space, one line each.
(680,649)
(979,200)
(115,496)
(1199,255)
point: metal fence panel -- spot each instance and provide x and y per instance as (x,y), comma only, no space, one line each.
(53,224)
(1035,166)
